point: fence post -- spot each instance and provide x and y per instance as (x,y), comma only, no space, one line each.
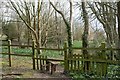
(33,53)
(9,52)
(65,58)
(103,57)
(102,67)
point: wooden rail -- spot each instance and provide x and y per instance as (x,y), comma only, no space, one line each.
(51,49)
(95,60)
(74,48)
(50,59)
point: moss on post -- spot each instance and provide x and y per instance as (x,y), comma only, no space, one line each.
(65,58)
(102,67)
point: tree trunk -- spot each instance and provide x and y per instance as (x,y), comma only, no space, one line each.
(118,15)
(39,28)
(71,19)
(85,36)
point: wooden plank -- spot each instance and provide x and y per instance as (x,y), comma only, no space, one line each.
(54,62)
(51,49)
(33,54)
(68,61)
(75,66)
(71,65)
(43,60)
(37,56)
(48,65)
(51,59)
(40,62)
(78,62)
(78,48)
(96,60)
(71,62)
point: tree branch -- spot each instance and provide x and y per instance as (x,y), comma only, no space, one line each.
(95,12)
(14,6)
(60,13)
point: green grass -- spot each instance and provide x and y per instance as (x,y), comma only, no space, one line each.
(77,43)
(17,50)
(22,51)
(4,49)
(52,54)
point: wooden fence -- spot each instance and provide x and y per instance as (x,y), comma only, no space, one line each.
(97,64)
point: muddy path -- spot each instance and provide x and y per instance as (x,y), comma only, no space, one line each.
(22,68)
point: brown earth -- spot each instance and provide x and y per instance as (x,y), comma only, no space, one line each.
(22,68)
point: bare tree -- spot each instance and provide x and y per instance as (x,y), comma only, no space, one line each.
(105,12)
(27,17)
(68,25)
(106,16)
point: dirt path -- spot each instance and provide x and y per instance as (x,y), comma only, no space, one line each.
(22,68)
